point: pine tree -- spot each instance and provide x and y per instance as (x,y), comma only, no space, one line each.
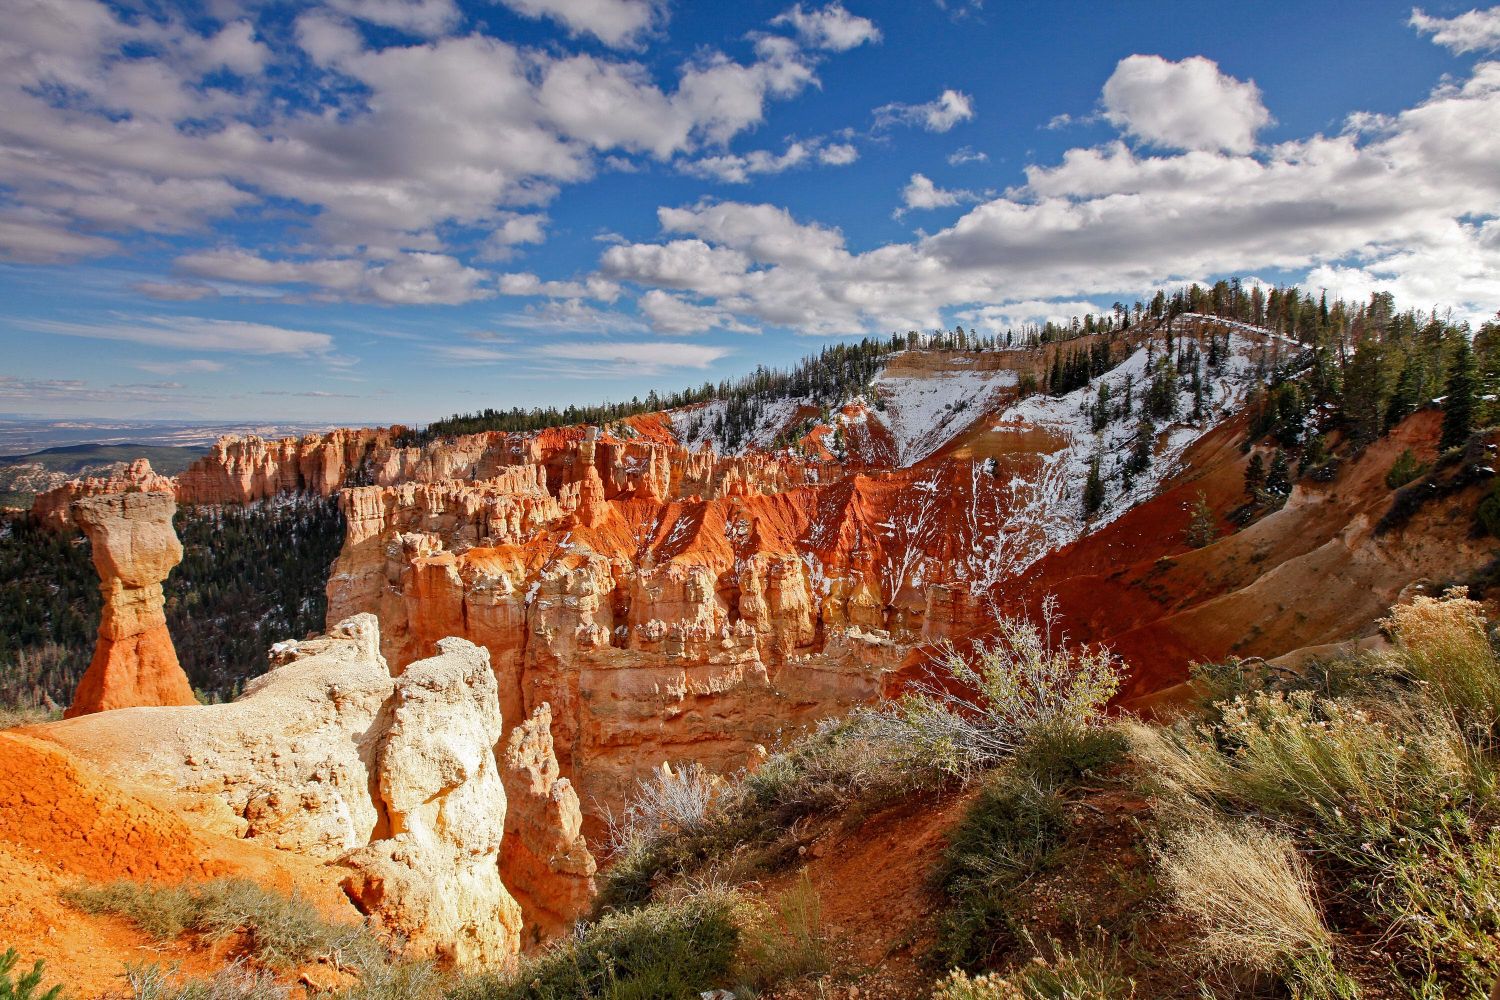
(1255,476)
(1203,527)
(1101,408)
(1406,397)
(1364,393)
(1093,489)
(1462,397)
(1142,446)
(1279,478)
(1197,390)
(27,985)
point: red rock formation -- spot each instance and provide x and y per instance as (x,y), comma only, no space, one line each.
(544,858)
(134,548)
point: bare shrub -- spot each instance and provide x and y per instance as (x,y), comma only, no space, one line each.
(1250,891)
(233,982)
(671,802)
(978,715)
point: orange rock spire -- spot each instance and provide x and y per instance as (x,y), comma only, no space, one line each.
(135,547)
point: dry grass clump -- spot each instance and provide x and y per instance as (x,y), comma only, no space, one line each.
(979,715)
(1392,789)
(1090,972)
(278,931)
(788,942)
(681,820)
(1443,644)
(1297,754)
(13,716)
(1249,889)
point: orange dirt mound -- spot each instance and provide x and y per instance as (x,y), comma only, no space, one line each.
(62,823)
(86,827)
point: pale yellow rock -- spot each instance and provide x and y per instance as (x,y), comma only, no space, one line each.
(435,877)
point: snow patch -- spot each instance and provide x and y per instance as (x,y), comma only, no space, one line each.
(925,412)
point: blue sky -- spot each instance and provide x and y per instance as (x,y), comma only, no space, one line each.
(370,211)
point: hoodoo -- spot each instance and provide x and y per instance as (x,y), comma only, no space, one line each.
(134,548)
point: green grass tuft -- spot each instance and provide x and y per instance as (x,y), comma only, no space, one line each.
(658,952)
(278,931)
(1006,836)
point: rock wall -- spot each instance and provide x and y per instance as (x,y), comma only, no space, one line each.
(243,469)
(664,604)
(546,860)
(134,548)
(52,509)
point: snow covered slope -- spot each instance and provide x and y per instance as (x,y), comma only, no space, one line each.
(925,411)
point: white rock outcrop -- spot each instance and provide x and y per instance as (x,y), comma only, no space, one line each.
(392,778)
(435,877)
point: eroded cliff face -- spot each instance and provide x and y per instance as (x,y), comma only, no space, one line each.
(134,548)
(656,598)
(670,603)
(393,781)
(244,469)
(52,509)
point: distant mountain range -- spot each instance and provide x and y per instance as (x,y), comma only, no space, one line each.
(27,435)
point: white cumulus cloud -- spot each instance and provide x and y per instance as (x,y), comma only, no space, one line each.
(920,193)
(1184,105)
(940,115)
(616,23)
(832,27)
(1474,31)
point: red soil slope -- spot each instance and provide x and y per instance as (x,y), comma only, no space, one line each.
(63,824)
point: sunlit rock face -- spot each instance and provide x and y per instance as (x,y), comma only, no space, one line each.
(396,782)
(545,859)
(434,878)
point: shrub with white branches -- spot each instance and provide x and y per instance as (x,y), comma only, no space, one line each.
(974,715)
(671,801)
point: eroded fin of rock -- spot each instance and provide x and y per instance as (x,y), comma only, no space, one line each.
(435,879)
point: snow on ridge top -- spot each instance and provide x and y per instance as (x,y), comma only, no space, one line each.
(1235,324)
(925,412)
(694,426)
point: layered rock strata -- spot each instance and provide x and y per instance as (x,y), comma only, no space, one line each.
(53,509)
(134,548)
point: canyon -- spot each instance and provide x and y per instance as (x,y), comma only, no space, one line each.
(522,626)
